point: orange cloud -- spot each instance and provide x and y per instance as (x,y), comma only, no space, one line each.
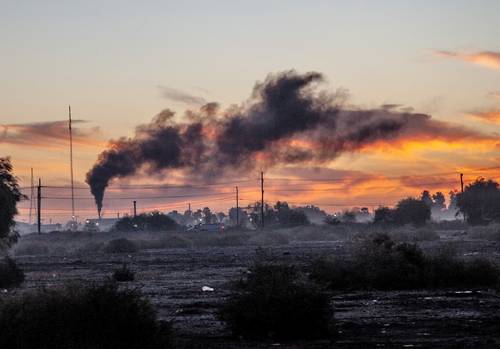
(489,116)
(49,134)
(488,59)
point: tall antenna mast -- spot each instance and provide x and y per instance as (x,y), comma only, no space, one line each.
(71,165)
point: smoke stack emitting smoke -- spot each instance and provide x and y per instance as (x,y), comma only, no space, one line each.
(286,120)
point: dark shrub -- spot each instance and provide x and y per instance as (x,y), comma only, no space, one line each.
(90,248)
(123,274)
(81,317)
(445,270)
(271,302)
(165,242)
(382,264)
(31,249)
(121,246)
(10,274)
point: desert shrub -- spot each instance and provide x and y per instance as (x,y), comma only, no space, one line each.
(268,238)
(10,274)
(445,270)
(31,249)
(123,274)
(410,234)
(271,302)
(173,241)
(59,251)
(121,245)
(80,317)
(382,264)
(489,232)
(234,238)
(423,234)
(90,248)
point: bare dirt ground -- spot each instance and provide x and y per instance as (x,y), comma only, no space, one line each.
(173,280)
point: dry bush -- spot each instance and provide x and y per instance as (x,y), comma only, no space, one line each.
(81,317)
(121,246)
(170,241)
(268,238)
(488,232)
(10,274)
(31,249)
(411,234)
(89,248)
(270,301)
(123,274)
(382,264)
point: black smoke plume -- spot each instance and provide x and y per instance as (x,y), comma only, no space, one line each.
(286,120)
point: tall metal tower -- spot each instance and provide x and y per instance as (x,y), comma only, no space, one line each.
(71,165)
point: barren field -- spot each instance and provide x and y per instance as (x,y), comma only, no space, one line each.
(173,279)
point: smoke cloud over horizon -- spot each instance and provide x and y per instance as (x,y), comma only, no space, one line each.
(288,119)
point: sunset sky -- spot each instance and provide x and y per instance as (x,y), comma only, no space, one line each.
(120,63)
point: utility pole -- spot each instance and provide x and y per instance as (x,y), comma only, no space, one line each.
(135,208)
(462,187)
(71,166)
(39,206)
(262,199)
(32,194)
(237,208)
(189,208)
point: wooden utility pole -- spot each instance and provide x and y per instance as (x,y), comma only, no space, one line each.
(462,187)
(237,208)
(135,208)
(32,194)
(39,206)
(262,199)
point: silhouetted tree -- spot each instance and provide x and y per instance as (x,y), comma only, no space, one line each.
(426,198)
(348,217)
(154,221)
(289,217)
(439,201)
(10,195)
(412,211)
(384,215)
(480,202)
